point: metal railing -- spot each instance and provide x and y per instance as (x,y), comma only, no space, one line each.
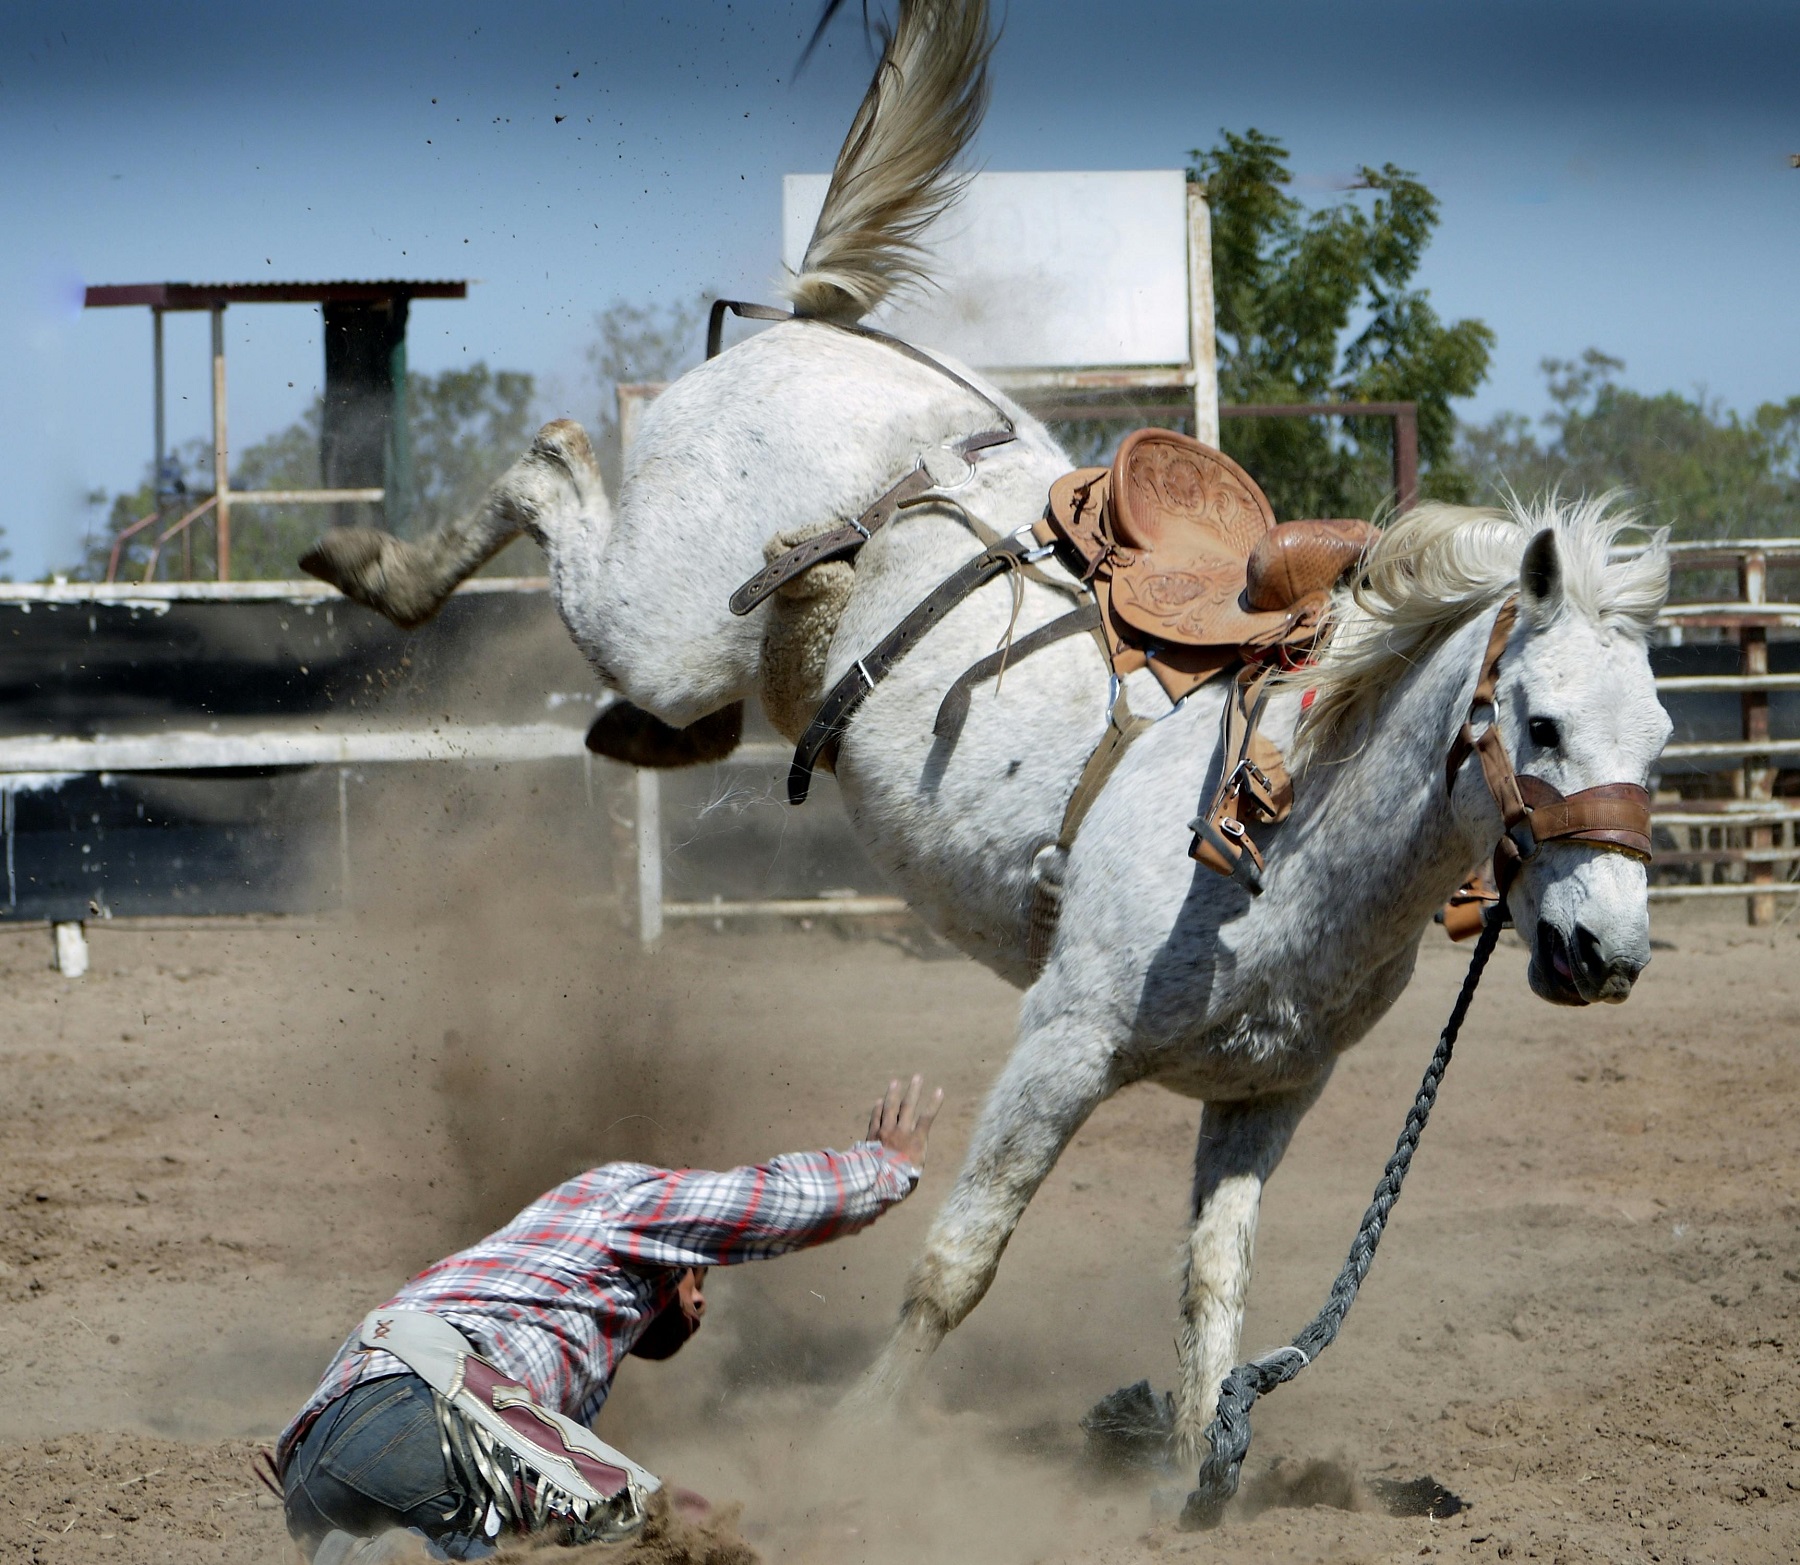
(1745,843)
(1719,822)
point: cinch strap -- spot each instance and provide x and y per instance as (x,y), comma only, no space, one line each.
(820,741)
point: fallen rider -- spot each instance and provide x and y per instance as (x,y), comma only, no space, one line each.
(459,1410)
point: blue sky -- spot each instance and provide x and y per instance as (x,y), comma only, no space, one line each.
(1611,174)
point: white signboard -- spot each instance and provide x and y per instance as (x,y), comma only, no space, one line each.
(1041,271)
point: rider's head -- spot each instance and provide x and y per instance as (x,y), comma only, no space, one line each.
(676,1321)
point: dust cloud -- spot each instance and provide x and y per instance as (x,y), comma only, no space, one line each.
(527,1036)
(532,1029)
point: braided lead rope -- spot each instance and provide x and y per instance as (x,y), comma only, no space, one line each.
(1229,1432)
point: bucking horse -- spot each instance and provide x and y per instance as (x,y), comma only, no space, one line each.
(1241,997)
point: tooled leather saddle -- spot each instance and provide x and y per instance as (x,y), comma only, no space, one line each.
(1191,576)
(1190,569)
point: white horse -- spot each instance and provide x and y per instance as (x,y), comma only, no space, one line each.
(1160,971)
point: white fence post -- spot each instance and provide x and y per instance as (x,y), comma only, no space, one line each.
(343,801)
(70,941)
(649,856)
(633,399)
(1202,343)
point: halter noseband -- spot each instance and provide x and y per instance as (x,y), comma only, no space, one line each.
(1615,816)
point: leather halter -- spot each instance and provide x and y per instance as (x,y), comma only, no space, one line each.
(1615,816)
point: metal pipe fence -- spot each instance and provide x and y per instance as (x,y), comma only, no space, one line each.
(1728,828)
(1726,812)
(1722,830)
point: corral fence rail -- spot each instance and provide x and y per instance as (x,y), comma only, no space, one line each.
(1727,813)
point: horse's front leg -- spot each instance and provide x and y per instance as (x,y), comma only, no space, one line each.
(1240,1145)
(1059,1072)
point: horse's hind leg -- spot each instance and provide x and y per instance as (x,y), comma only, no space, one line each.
(1057,1075)
(408,581)
(555,494)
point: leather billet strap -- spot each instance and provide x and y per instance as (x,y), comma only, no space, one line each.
(1222,841)
(953,710)
(1123,726)
(819,744)
(918,487)
(1614,816)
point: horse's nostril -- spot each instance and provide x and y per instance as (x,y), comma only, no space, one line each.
(1597,968)
(1587,955)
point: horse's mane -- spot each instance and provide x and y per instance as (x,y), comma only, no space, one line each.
(1439,566)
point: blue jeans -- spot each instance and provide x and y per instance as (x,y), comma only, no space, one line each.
(373,1461)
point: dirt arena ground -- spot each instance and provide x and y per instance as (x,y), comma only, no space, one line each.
(228,1141)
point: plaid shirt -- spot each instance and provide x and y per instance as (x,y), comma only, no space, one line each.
(558,1296)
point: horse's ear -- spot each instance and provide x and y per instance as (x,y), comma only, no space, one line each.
(1540,574)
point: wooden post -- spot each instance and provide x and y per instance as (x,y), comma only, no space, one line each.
(1758,778)
(344,838)
(1202,341)
(69,948)
(157,474)
(1406,456)
(632,399)
(221,454)
(162,435)
(649,856)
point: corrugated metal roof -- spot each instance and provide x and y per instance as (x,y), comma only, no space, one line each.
(208,296)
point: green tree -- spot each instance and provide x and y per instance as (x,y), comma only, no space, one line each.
(1320,306)
(466,427)
(1692,465)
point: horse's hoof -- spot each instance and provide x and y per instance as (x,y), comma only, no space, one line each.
(347,557)
(627,733)
(567,441)
(372,568)
(1130,1430)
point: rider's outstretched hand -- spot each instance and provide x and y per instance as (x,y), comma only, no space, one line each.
(901,1124)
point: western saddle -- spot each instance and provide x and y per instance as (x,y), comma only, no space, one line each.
(1192,575)
(1187,574)
(1189,567)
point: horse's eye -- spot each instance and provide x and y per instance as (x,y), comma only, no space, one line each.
(1544,733)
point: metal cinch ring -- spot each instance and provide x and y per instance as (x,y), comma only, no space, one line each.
(939,460)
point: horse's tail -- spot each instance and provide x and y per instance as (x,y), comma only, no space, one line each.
(895,172)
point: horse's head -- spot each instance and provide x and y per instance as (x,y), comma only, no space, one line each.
(1576,706)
